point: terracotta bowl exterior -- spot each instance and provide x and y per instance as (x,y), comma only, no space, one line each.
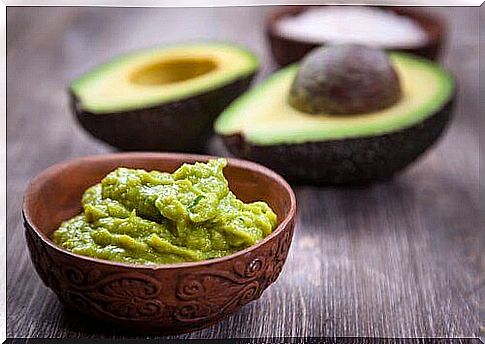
(170,298)
(286,50)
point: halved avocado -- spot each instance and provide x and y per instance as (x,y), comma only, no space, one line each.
(164,98)
(335,149)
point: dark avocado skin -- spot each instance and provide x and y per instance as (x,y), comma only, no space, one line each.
(346,161)
(183,125)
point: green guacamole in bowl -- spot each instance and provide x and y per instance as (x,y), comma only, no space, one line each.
(140,217)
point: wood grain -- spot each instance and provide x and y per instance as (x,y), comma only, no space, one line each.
(400,258)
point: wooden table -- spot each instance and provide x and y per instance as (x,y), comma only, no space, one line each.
(399,258)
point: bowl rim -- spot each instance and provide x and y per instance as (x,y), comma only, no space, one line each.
(412,12)
(184,157)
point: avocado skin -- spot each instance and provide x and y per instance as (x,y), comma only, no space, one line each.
(184,125)
(346,161)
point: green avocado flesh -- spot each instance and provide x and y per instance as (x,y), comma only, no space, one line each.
(263,116)
(157,76)
(140,217)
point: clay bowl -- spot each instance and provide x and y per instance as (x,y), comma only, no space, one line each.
(286,50)
(170,298)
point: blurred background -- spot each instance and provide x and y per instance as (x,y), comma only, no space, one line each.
(54,45)
(398,258)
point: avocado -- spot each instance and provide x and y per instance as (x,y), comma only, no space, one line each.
(323,148)
(345,79)
(163,98)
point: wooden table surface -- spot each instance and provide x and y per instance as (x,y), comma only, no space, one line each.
(399,258)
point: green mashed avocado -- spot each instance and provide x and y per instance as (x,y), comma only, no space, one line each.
(140,217)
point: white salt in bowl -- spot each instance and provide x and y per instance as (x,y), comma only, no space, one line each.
(295,30)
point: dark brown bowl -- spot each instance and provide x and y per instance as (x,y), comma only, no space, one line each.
(170,298)
(286,50)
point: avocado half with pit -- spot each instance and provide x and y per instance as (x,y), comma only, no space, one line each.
(165,98)
(330,148)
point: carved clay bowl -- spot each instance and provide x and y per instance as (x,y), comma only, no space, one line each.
(286,50)
(170,298)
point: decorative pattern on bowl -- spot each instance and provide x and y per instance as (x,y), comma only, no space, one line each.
(159,298)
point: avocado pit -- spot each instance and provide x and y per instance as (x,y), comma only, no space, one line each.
(340,149)
(345,79)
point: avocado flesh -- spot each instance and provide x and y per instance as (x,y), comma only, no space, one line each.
(343,149)
(264,117)
(162,99)
(158,76)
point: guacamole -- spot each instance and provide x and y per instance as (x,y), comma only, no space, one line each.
(141,217)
